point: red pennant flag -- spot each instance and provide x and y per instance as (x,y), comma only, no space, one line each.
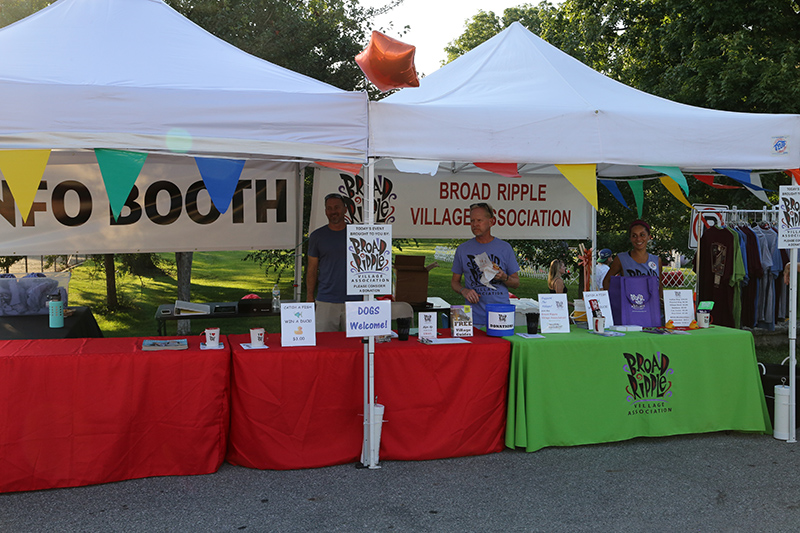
(709,180)
(795,173)
(388,63)
(347,168)
(507,170)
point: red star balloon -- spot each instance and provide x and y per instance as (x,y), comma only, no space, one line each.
(388,63)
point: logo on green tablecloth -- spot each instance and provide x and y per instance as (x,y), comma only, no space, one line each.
(649,385)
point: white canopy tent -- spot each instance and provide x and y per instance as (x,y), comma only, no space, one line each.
(517,99)
(137,75)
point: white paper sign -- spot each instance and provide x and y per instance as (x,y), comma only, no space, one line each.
(553,313)
(602,300)
(298,324)
(368,319)
(789,227)
(427,325)
(679,307)
(369,259)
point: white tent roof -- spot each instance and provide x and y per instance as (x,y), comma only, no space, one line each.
(517,99)
(135,74)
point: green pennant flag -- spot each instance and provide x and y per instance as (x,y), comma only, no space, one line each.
(637,186)
(674,173)
(120,170)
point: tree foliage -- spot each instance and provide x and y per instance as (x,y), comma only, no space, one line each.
(14,10)
(318,38)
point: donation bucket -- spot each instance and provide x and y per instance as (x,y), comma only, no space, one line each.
(500,320)
(579,313)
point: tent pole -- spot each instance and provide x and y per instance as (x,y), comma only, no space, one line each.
(593,277)
(792,346)
(298,237)
(371,435)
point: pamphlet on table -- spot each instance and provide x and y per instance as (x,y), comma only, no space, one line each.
(461,320)
(164,344)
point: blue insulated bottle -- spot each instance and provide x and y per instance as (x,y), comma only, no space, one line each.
(56,308)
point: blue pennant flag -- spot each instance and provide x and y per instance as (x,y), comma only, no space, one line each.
(615,192)
(220,177)
(741,176)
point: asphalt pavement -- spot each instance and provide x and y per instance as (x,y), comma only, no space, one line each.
(726,481)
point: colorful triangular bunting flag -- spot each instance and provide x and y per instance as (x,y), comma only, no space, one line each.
(673,187)
(615,192)
(755,179)
(23,171)
(742,176)
(674,173)
(637,187)
(120,170)
(794,173)
(220,177)
(583,178)
(507,170)
(347,168)
(708,179)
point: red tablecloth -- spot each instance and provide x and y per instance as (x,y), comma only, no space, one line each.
(302,407)
(85,411)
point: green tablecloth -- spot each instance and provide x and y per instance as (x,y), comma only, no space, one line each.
(581,388)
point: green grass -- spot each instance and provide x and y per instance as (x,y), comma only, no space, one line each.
(224,277)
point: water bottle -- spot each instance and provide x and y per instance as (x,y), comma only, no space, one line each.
(276,298)
(56,310)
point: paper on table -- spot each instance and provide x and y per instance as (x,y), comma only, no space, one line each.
(531,335)
(248,346)
(446,340)
(488,269)
(204,347)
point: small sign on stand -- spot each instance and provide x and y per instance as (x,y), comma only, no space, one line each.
(679,307)
(298,324)
(553,313)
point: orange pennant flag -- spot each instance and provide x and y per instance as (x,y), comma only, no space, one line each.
(347,168)
(583,178)
(675,189)
(23,171)
(795,173)
(507,170)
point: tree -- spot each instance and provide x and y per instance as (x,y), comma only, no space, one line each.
(313,37)
(14,10)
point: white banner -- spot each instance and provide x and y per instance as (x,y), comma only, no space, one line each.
(169,210)
(425,207)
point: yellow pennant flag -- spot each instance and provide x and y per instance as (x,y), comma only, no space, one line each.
(583,178)
(675,189)
(23,171)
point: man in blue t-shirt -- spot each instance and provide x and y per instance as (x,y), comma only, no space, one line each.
(500,253)
(327,267)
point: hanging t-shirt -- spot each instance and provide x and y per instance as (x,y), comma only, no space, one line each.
(720,269)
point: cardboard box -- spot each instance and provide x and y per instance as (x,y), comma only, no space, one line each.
(411,278)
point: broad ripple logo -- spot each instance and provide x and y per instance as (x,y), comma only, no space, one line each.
(649,383)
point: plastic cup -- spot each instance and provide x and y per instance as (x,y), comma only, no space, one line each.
(256,337)
(212,337)
(532,320)
(403,326)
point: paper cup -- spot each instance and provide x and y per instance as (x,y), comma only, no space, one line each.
(212,337)
(703,318)
(256,337)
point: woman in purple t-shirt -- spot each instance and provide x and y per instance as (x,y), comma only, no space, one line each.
(637,262)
